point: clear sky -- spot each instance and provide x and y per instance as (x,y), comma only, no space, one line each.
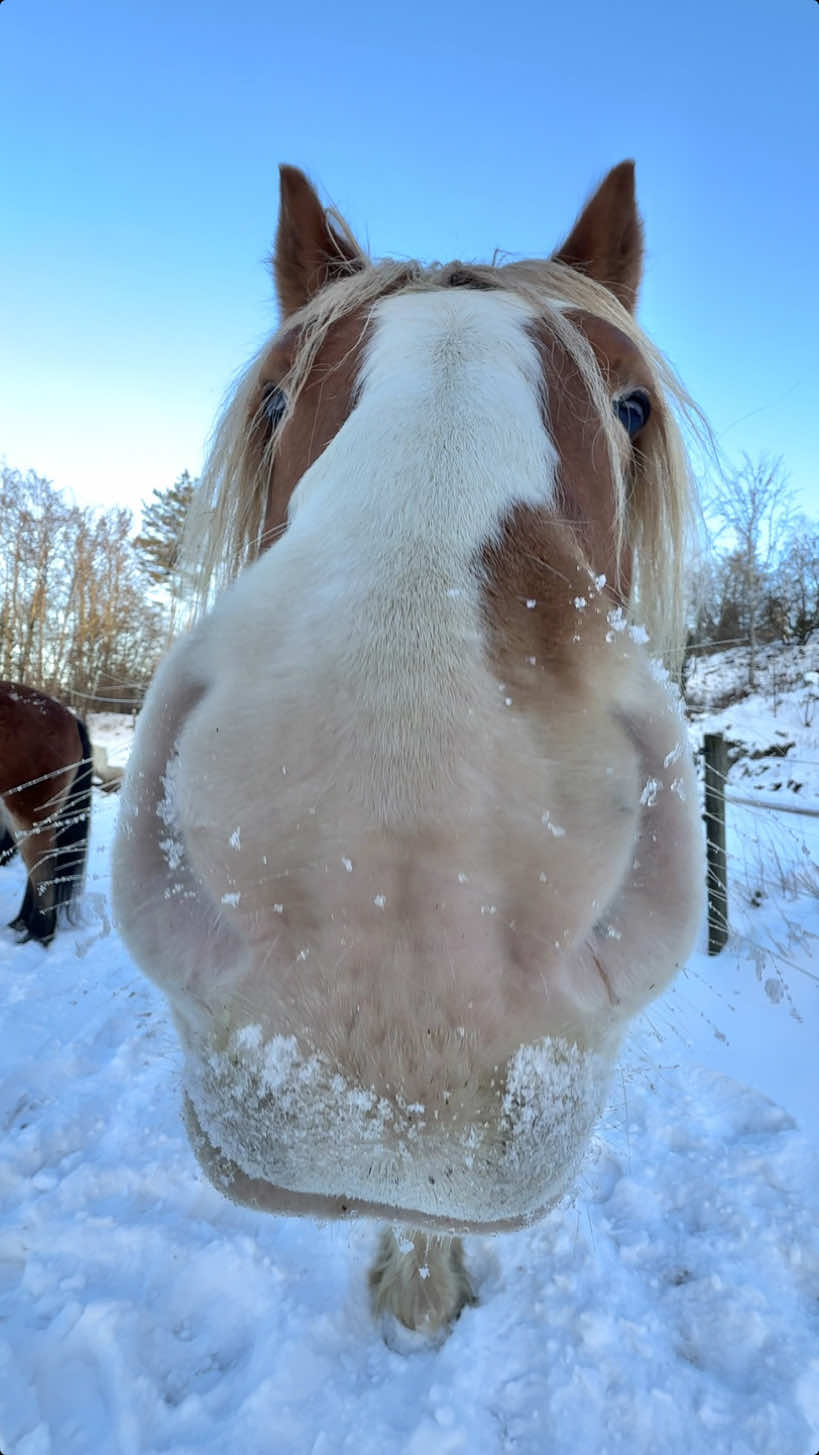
(138,154)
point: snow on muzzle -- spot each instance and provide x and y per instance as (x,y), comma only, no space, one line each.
(294,1106)
(286,1132)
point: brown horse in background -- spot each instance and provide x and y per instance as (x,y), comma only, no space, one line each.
(45,803)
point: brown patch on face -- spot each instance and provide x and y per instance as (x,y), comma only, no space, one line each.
(533,575)
(548,559)
(324,403)
(621,362)
(586,493)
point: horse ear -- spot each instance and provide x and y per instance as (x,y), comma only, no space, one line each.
(311,250)
(606,242)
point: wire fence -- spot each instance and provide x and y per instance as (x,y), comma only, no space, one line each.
(772,805)
(130,704)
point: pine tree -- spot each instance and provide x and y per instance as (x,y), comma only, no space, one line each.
(160,540)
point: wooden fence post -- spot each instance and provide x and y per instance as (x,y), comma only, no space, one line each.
(716,768)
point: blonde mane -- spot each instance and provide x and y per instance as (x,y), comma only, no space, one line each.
(655,507)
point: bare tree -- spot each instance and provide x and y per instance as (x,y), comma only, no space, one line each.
(754,506)
(796,582)
(76,617)
(32,521)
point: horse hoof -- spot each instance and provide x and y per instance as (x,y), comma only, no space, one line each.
(43,934)
(421,1281)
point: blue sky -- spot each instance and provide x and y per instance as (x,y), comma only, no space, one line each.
(140,146)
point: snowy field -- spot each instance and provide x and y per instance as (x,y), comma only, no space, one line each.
(671,1306)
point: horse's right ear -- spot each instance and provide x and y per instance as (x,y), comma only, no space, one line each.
(311,251)
(606,242)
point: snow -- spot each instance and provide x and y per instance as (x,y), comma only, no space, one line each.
(670,1304)
(115,732)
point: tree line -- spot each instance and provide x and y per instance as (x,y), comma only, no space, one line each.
(86,606)
(758,581)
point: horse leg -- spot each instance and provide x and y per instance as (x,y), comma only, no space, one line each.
(37,917)
(20,921)
(420,1279)
(8,848)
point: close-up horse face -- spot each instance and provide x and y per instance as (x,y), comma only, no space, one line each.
(410,830)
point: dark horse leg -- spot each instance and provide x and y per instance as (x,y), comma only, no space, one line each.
(55,854)
(21,919)
(73,827)
(8,847)
(37,916)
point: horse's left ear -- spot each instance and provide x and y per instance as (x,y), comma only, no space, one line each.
(606,242)
(311,250)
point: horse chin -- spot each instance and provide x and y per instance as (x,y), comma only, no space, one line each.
(240,1187)
(494,1166)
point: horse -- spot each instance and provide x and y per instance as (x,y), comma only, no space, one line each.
(410,829)
(45,803)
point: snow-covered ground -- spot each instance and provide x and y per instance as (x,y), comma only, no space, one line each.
(672,1305)
(113,731)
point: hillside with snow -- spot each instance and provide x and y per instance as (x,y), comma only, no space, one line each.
(672,1304)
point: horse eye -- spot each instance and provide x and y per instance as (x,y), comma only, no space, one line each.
(274,403)
(633,411)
